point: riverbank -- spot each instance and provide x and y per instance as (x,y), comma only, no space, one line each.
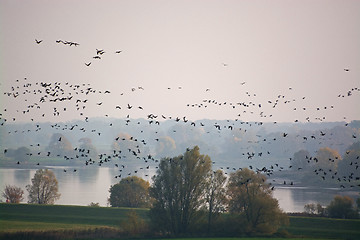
(99,222)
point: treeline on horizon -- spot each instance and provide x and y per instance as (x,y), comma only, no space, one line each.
(272,147)
(16,135)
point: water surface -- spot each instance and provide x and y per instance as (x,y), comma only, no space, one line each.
(91,184)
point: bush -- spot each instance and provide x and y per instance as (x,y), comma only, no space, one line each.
(13,194)
(342,207)
(92,204)
(130,192)
(134,225)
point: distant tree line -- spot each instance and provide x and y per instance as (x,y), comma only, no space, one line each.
(328,166)
(340,207)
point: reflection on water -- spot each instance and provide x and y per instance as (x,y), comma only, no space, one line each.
(86,185)
(293,199)
(91,184)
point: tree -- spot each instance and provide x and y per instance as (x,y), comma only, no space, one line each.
(13,194)
(250,199)
(134,224)
(87,149)
(128,146)
(310,208)
(327,158)
(93,204)
(355,124)
(300,160)
(179,189)
(44,188)
(320,209)
(342,207)
(350,164)
(216,196)
(130,192)
(60,145)
(165,146)
(21,154)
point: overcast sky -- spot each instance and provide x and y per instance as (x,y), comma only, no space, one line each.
(175,53)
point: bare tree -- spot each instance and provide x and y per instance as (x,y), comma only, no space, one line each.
(13,194)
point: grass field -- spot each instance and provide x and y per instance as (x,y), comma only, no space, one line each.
(15,218)
(324,227)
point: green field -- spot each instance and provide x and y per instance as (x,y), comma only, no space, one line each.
(324,227)
(16,218)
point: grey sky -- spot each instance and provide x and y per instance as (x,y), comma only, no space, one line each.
(199,49)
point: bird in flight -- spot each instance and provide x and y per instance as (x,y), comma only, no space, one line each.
(88,64)
(346,69)
(99,51)
(38,41)
(118,51)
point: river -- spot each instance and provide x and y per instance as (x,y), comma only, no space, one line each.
(92,184)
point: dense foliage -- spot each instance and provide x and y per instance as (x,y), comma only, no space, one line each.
(342,207)
(252,202)
(130,192)
(189,197)
(179,191)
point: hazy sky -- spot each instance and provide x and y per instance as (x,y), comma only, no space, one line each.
(176,53)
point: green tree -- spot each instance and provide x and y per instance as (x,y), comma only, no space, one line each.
(13,194)
(216,196)
(44,188)
(251,201)
(179,189)
(342,207)
(130,192)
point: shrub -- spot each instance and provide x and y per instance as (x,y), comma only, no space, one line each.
(342,207)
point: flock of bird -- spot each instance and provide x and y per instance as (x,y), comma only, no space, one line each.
(99,52)
(50,100)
